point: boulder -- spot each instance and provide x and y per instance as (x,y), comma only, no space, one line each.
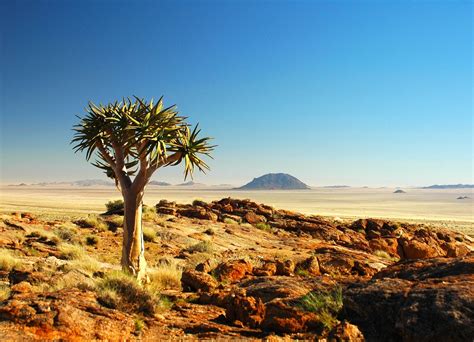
(233,270)
(310,265)
(345,332)
(198,212)
(198,281)
(245,309)
(253,218)
(285,268)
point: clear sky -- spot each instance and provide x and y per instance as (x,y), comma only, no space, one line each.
(336,92)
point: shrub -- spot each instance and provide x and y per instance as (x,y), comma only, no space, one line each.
(114,222)
(86,264)
(4,292)
(200,203)
(167,275)
(116,205)
(201,247)
(71,252)
(45,237)
(7,260)
(149,213)
(210,231)
(263,226)
(166,235)
(66,233)
(149,234)
(92,240)
(139,325)
(326,304)
(385,255)
(120,291)
(228,220)
(92,221)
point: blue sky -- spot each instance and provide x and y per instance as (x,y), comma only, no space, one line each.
(337,92)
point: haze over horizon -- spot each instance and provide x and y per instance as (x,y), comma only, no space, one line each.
(350,93)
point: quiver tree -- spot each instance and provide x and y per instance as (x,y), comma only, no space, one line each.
(130,140)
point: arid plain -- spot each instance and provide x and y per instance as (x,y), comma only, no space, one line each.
(440,207)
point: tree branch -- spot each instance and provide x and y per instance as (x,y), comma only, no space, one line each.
(108,157)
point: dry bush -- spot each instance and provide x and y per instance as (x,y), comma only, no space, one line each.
(71,252)
(7,260)
(92,221)
(201,247)
(4,292)
(166,275)
(120,291)
(149,235)
(66,232)
(149,213)
(44,236)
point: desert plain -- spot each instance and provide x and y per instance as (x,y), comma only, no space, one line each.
(432,206)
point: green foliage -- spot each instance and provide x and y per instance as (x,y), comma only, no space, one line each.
(228,220)
(263,226)
(135,130)
(139,325)
(201,247)
(326,304)
(114,205)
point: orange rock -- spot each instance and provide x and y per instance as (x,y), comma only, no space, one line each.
(253,218)
(233,270)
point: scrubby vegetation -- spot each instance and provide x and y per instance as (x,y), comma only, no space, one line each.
(120,291)
(92,221)
(71,252)
(7,260)
(326,304)
(205,246)
(113,206)
(264,226)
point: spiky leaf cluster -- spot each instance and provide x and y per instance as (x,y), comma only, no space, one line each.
(123,135)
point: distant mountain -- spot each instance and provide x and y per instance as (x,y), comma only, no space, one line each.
(450,186)
(159,183)
(399,191)
(274,181)
(92,182)
(191,183)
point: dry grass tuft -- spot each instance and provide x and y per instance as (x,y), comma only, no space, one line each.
(7,260)
(120,291)
(71,252)
(167,275)
(92,221)
(4,292)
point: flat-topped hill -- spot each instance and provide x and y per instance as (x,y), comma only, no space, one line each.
(275,181)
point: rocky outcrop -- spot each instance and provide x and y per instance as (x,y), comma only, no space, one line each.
(422,300)
(69,314)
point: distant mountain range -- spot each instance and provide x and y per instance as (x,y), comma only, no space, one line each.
(275,181)
(450,186)
(159,183)
(191,183)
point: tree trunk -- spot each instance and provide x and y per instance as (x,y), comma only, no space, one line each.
(133,248)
